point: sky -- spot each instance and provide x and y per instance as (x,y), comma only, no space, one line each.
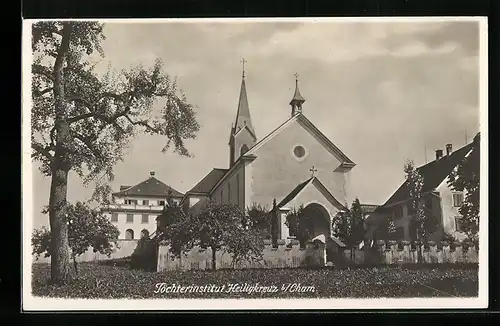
(383,92)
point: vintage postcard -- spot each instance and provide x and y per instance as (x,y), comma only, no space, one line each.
(208,164)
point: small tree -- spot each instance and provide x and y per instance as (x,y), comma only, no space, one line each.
(87,228)
(259,218)
(173,226)
(299,224)
(217,226)
(275,224)
(421,222)
(348,225)
(466,178)
(244,244)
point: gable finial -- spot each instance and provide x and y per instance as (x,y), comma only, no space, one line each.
(243,61)
(296,78)
(313,170)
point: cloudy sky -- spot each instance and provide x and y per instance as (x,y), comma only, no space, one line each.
(379,91)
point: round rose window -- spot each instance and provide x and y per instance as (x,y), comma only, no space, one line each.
(299,151)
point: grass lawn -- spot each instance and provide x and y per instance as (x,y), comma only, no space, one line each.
(105,281)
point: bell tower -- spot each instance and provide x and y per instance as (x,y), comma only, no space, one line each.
(297,99)
(242,136)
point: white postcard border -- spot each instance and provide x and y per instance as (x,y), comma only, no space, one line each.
(31,303)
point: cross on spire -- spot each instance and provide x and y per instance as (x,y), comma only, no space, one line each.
(313,170)
(296,77)
(243,61)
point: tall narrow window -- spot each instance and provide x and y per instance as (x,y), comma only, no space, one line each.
(145,218)
(229,192)
(130,218)
(458,223)
(145,202)
(114,217)
(458,199)
(222,196)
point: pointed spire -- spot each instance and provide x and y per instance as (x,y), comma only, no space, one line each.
(297,99)
(243,114)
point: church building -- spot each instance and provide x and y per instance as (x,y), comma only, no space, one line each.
(295,164)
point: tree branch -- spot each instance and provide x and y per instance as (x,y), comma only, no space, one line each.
(42,71)
(43,150)
(93,113)
(143,123)
(43,92)
(88,143)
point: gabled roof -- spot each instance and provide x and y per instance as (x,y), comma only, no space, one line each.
(293,193)
(311,127)
(149,187)
(208,182)
(433,173)
(301,186)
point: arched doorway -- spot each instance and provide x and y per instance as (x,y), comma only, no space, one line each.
(144,234)
(318,220)
(129,234)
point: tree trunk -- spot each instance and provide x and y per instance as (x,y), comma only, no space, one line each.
(75,265)
(60,258)
(60,261)
(419,249)
(214,262)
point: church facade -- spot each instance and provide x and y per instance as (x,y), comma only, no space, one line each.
(296,165)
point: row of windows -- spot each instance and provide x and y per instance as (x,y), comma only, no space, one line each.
(130,218)
(129,234)
(458,199)
(145,202)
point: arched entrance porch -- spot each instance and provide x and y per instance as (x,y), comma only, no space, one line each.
(319,223)
(317,219)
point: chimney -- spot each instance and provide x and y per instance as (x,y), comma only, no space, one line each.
(439,154)
(152,173)
(448,149)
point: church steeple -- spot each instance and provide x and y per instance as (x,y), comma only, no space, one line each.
(241,140)
(297,99)
(243,114)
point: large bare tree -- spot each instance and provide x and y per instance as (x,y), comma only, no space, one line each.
(82,120)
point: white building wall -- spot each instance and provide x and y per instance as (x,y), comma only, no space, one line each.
(152,208)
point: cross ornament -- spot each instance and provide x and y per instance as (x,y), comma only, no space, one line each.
(243,61)
(296,76)
(313,170)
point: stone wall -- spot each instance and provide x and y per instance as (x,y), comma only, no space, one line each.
(403,252)
(123,248)
(286,255)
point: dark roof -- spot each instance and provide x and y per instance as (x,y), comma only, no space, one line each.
(293,193)
(149,187)
(208,182)
(433,173)
(338,242)
(301,186)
